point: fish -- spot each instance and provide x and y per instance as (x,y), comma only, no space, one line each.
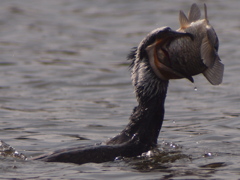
(191,55)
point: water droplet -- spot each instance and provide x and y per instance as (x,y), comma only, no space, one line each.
(149,154)
(207,154)
(118,158)
(194,87)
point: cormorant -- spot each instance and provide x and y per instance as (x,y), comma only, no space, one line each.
(162,55)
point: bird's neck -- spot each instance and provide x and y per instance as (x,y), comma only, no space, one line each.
(146,118)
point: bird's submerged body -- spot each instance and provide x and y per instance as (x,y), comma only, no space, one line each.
(162,55)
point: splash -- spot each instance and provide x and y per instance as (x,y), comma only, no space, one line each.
(8,151)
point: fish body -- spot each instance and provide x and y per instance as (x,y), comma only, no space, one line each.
(191,55)
(185,56)
(199,55)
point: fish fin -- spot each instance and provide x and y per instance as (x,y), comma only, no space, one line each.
(205,13)
(212,37)
(190,78)
(215,74)
(208,53)
(194,13)
(183,20)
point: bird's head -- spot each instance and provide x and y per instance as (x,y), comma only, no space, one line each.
(183,53)
(152,51)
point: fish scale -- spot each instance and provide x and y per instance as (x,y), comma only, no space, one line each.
(185,56)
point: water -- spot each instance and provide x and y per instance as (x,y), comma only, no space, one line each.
(65,82)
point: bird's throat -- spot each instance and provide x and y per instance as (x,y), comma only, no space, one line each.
(146,119)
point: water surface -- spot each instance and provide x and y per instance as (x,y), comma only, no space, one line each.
(65,82)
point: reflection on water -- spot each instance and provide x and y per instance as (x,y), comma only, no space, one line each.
(65,83)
